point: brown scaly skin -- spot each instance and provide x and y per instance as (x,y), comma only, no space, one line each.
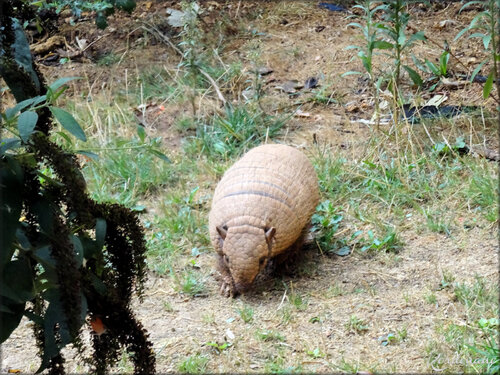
(259,211)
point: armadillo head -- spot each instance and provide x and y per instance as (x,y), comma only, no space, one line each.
(246,250)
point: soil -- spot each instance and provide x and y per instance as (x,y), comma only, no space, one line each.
(387,291)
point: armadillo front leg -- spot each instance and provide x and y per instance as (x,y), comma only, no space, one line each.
(227,288)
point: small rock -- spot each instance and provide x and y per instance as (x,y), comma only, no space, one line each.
(264,70)
(290,87)
(311,83)
(299,113)
(230,334)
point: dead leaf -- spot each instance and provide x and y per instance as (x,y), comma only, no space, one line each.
(48,45)
(445,24)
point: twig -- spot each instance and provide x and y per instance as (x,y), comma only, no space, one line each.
(214,84)
(152,30)
(282,300)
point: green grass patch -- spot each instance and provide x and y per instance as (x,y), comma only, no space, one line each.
(194,364)
(229,135)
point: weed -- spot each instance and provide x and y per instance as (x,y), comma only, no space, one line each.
(485,24)
(270,335)
(326,221)
(395,27)
(437,222)
(246,313)
(155,84)
(389,243)
(300,303)
(240,128)
(286,315)
(388,339)
(108,59)
(430,298)
(276,365)
(315,353)
(195,364)
(168,306)
(347,367)
(335,291)
(437,71)
(482,192)
(402,333)
(218,347)
(356,325)
(447,279)
(117,177)
(124,364)
(370,30)
(190,283)
(478,297)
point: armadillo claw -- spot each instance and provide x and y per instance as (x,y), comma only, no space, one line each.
(226,289)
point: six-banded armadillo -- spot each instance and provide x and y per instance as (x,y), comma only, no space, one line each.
(259,210)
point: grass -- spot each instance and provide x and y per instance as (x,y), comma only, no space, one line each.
(195,364)
(472,347)
(356,325)
(246,313)
(270,335)
(239,128)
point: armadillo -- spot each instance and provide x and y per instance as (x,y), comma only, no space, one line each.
(259,210)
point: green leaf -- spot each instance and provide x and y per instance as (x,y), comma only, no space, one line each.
(17,277)
(65,137)
(350,73)
(478,68)
(488,85)
(11,112)
(443,62)
(433,68)
(126,5)
(415,77)
(141,133)
(486,41)
(343,251)
(382,44)
(12,180)
(23,239)
(9,144)
(459,35)
(68,122)
(44,256)
(44,212)
(26,123)
(101,21)
(78,248)
(160,155)
(61,81)
(9,320)
(100,232)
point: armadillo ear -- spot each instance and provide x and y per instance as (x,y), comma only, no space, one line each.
(270,235)
(222,231)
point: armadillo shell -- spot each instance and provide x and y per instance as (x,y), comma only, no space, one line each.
(270,186)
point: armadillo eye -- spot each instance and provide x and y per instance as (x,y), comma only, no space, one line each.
(262,261)
(226,259)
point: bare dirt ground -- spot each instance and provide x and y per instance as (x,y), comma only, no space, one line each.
(387,291)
